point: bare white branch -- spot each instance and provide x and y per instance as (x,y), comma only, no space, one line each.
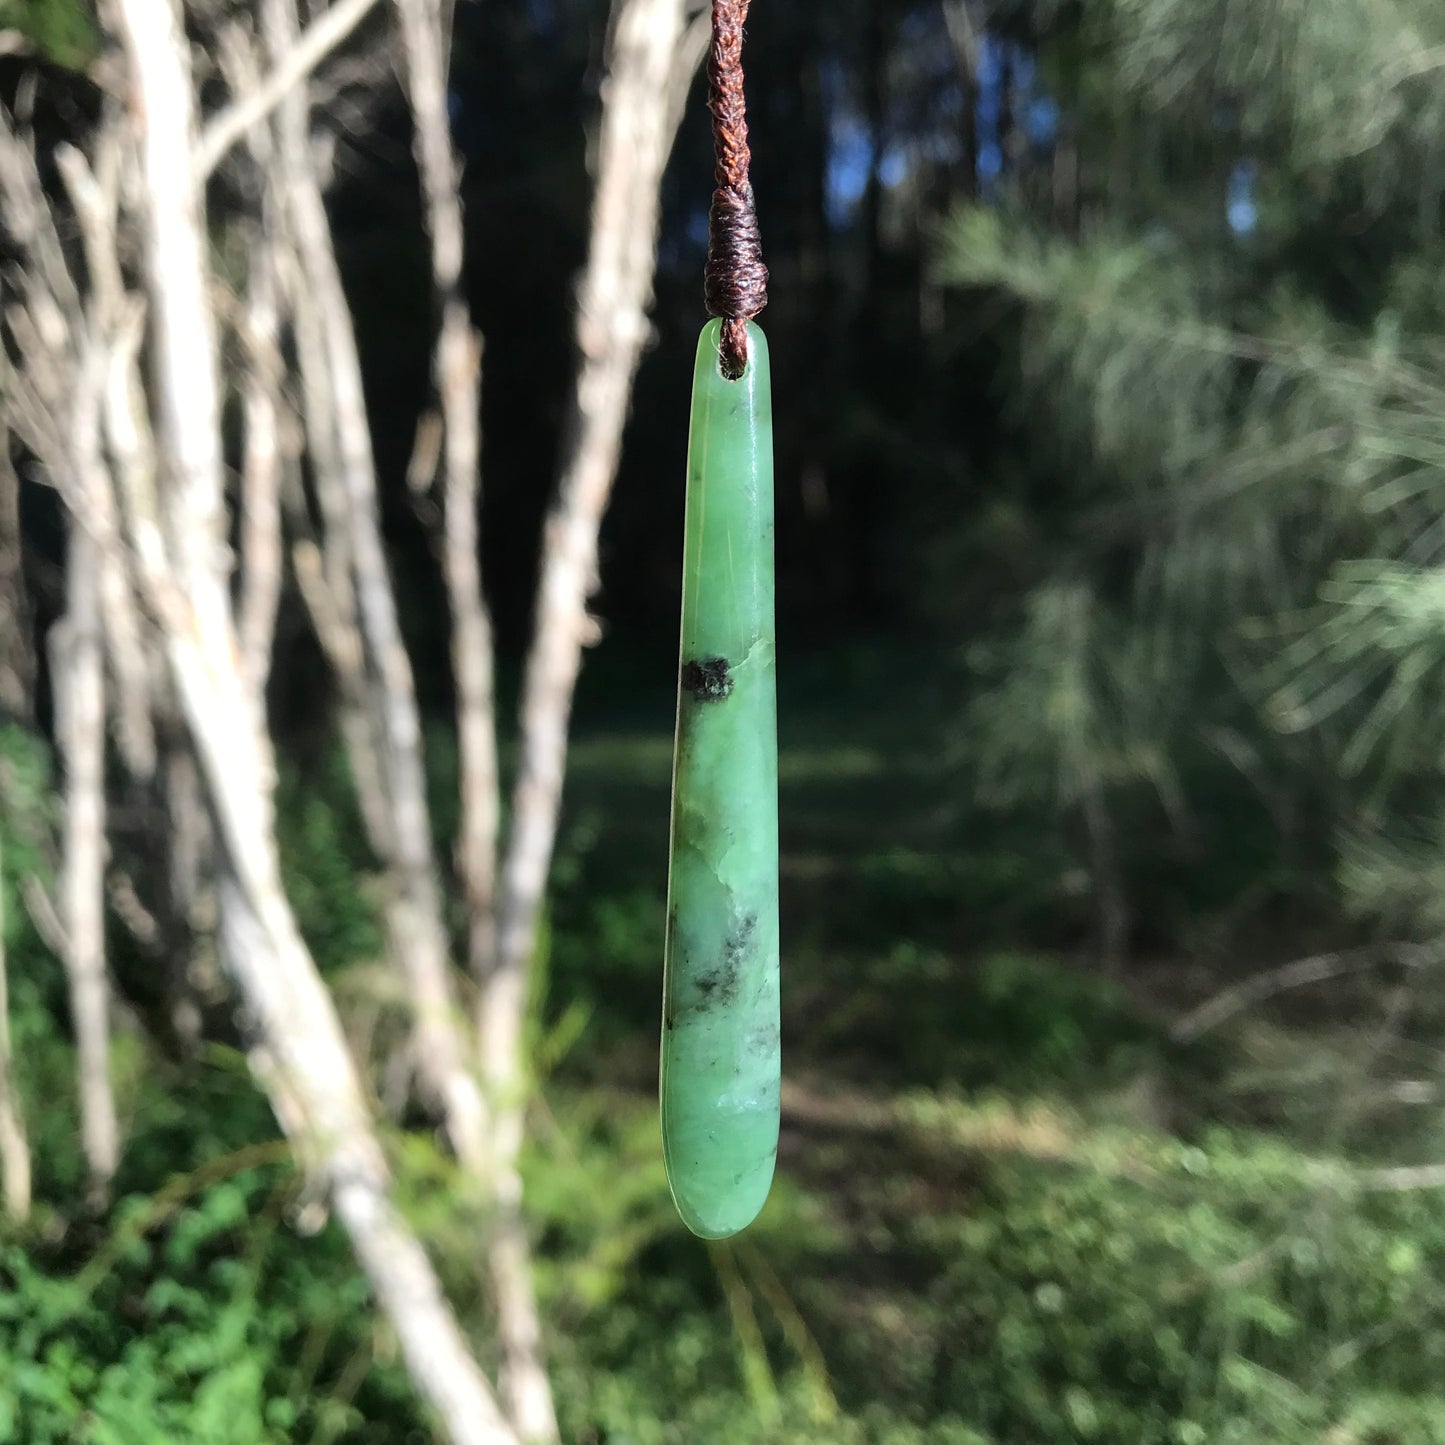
(1301,973)
(650,48)
(307,1065)
(261,468)
(14,1147)
(290,71)
(95,200)
(17,664)
(361,586)
(78,670)
(456,372)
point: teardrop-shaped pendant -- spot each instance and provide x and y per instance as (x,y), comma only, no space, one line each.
(721,1056)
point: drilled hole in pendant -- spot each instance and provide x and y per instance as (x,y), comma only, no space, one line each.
(734,352)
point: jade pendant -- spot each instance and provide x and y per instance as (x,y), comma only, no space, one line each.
(721,1059)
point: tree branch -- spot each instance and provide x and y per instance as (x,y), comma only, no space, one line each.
(14,1147)
(384,698)
(649,40)
(456,374)
(311,47)
(1299,974)
(313,1079)
(78,669)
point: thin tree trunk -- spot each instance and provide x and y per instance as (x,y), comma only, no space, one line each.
(14,1147)
(191,907)
(261,469)
(60,432)
(325,577)
(141,697)
(473,674)
(189,902)
(250,111)
(264,460)
(78,670)
(456,372)
(17,666)
(416,926)
(129,661)
(526,1392)
(651,55)
(318,1092)
(78,679)
(278,980)
(94,194)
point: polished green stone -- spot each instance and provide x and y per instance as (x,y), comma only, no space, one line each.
(720,1041)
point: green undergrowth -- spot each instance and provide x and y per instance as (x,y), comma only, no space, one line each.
(951,1267)
(932,1268)
(1008,1211)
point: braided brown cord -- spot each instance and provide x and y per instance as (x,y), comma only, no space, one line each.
(736,284)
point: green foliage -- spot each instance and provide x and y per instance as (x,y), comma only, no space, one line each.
(330,877)
(194,1310)
(1187,1292)
(1199,629)
(1233,590)
(1324,83)
(26,809)
(64,31)
(44,1071)
(1099,716)
(204,1318)
(1007,1271)
(607,951)
(1016,1252)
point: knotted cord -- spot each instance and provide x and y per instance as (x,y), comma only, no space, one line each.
(736,283)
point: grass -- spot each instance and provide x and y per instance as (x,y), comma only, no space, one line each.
(1008,1208)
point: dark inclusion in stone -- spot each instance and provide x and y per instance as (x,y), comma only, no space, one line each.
(708,680)
(720,987)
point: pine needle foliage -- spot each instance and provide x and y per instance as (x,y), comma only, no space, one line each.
(1242,425)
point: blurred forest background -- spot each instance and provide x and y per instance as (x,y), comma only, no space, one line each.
(1109,362)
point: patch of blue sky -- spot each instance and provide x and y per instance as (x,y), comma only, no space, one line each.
(991,59)
(893,167)
(850,162)
(1241,209)
(1041,120)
